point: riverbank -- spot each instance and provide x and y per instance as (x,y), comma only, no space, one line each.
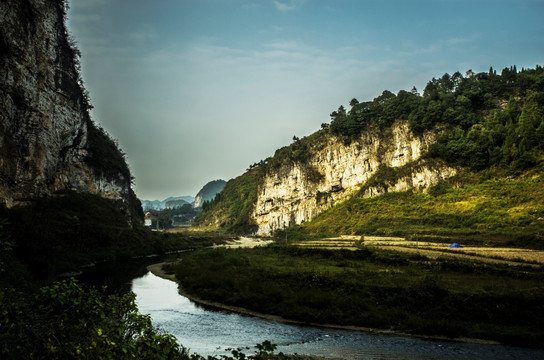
(368,289)
(157,270)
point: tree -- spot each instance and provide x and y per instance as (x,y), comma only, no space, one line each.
(353,102)
(456,78)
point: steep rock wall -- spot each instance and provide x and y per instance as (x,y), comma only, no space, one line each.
(44,120)
(295,193)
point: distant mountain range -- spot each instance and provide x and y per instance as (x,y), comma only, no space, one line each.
(170,203)
(207,193)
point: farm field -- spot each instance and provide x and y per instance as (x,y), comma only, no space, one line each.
(507,255)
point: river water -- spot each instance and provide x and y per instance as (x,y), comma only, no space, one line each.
(210,332)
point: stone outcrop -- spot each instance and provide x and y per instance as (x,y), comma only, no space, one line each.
(297,192)
(46,134)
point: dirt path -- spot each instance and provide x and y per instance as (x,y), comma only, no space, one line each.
(246,242)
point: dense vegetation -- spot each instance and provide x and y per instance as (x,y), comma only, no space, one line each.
(64,320)
(372,288)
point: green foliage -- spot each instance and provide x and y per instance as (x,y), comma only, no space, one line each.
(298,152)
(374,288)
(382,111)
(66,321)
(104,155)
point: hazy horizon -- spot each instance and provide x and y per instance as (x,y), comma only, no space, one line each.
(198,90)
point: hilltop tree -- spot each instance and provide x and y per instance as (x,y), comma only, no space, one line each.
(353,102)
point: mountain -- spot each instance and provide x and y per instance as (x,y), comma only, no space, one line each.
(170,202)
(208,192)
(405,143)
(49,144)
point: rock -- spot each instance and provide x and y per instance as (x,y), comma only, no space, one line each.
(44,111)
(294,193)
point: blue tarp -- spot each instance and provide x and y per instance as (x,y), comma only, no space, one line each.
(455,245)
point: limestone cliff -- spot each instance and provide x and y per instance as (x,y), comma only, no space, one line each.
(296,191)
(48,142)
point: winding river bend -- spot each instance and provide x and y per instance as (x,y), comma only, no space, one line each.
(210,332)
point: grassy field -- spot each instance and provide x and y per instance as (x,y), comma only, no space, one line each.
(376,287)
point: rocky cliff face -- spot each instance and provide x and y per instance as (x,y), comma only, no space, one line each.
(46,134)
(296,192)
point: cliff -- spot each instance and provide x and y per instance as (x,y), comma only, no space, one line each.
(48,142)
(322,170)
(295,192)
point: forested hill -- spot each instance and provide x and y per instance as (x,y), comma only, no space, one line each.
(487,119)
(407,141)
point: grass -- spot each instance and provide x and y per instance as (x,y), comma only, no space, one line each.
(379,288)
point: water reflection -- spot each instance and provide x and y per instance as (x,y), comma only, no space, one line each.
(212,332)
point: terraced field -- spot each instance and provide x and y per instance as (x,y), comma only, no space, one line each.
(512,256)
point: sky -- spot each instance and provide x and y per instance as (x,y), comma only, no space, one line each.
(199,90)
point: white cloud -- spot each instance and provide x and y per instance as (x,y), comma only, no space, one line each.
(283,7)
(288,5)
(145,33)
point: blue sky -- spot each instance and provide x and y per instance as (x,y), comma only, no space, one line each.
(198,90)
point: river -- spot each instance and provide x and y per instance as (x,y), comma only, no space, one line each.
(211,332)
